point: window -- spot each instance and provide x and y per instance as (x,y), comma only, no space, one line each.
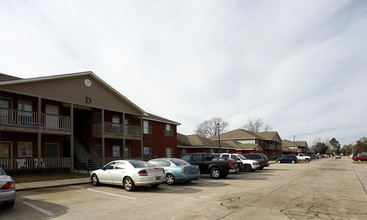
(147,125)
(163,163)
(120,165)
(115,124)
(168,152)
(24,149)
(115,151)
(4,111)
(168,130)
(109,166)
(25,112)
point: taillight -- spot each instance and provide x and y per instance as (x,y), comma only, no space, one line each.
(8,185)
(184,170)
(143,173)
(264,161)
(230,164)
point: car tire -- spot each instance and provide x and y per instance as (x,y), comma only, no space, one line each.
(129,184)
(9,205)
(95,180)
(170,179)
(359,160)
(307,160)
(248,168)
(261,168)
(293,161)
(215,173)
(154,186)
(278,161)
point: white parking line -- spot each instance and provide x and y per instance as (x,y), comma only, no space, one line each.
(112,194)
(39,209)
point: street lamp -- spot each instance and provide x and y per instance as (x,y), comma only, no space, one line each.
(220,150)
(294,143)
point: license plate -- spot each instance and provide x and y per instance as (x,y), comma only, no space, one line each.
(157,178)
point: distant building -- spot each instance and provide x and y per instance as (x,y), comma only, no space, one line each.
(268,143)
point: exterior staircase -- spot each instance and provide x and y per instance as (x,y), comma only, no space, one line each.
(86,161)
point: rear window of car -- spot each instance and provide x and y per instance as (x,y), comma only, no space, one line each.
(140,164)
(180,162)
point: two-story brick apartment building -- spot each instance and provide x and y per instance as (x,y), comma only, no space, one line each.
(71,120)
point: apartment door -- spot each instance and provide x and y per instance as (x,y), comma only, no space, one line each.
(52,118)
(4,111)
(52,155)
(5,154)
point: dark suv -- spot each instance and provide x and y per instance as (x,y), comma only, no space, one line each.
(262,158)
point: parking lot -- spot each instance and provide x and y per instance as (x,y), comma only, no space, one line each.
(322,189)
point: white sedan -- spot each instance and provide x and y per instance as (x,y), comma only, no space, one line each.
(129,174)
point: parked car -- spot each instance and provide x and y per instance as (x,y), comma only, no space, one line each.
(177,170)
(287,159)
(360,158)
(303,157)
(261,158)
(248,165)
(208,164)
(7,190)
(337,156)
(129,174)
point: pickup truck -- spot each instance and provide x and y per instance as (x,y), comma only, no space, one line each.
(303,157)
(248,165)
(208,164)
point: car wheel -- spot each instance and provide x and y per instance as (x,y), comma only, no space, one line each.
(359,160)
(278,161)
(95,180)
(9,205)
(261,168)
(170,179)
(293,161)
(129,184)
(154,186)
(215,173)
(248,168)
(308,160)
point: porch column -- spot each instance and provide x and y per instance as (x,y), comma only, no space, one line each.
(141,140)
(39,141)
(103,141)
(72,137)
(123,133)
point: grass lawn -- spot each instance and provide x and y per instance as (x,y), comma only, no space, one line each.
(46,176)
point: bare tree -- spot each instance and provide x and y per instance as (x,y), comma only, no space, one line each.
(255,125)
(209,128)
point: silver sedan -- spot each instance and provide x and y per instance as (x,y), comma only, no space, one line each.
(129,174)
(7,190)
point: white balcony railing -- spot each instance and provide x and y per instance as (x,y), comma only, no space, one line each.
(117,129)
(26,119)
(34,163)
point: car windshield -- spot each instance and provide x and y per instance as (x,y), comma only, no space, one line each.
(242,157)
(179,162)
(2,172)
(140,163)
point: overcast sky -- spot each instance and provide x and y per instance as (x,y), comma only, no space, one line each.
(300,66)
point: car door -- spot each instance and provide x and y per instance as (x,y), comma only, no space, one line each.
(118,172)
(104,175)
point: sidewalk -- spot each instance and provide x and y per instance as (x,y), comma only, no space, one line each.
(51,183)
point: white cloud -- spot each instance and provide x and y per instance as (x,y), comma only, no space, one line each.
(299,65)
